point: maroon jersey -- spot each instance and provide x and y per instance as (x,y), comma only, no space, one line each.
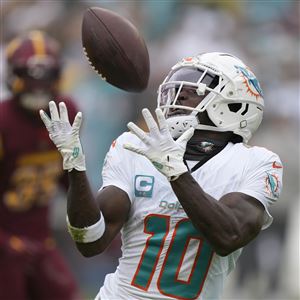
(30,170)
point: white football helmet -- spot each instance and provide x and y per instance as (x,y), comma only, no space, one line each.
(232,96)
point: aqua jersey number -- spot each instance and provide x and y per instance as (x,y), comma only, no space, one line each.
(171,281)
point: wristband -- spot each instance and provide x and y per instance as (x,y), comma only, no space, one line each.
(87,234)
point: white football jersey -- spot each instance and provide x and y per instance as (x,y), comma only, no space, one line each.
(163,255)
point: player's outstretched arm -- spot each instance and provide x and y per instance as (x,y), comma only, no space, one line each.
(91,225)
(227,224)
(111,206)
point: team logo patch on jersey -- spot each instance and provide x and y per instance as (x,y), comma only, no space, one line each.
(272,185)
(143,186)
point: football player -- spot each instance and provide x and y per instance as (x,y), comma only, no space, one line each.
(30,172)
(188,195)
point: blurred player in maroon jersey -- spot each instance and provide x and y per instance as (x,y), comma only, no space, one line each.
(30,172)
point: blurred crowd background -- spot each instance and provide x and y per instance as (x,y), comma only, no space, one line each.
(265,34)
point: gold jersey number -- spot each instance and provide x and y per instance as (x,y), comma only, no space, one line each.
(34,181)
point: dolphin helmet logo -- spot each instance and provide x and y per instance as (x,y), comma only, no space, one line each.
(251,82)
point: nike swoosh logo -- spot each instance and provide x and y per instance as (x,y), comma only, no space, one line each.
(275,165)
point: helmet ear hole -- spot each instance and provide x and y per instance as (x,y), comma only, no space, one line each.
(235,107)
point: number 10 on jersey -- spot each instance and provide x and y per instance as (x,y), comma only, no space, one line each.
(169,282)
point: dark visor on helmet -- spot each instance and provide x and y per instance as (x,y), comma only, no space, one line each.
(194,75)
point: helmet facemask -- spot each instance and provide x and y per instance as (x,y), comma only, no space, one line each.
(40,83)
(186,85)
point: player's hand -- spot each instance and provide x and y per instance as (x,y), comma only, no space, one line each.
(160,148)
(65,136)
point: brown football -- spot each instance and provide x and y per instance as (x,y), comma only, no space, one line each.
(115,49)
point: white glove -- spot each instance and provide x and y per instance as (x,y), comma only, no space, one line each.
(159,147)
(64,136)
